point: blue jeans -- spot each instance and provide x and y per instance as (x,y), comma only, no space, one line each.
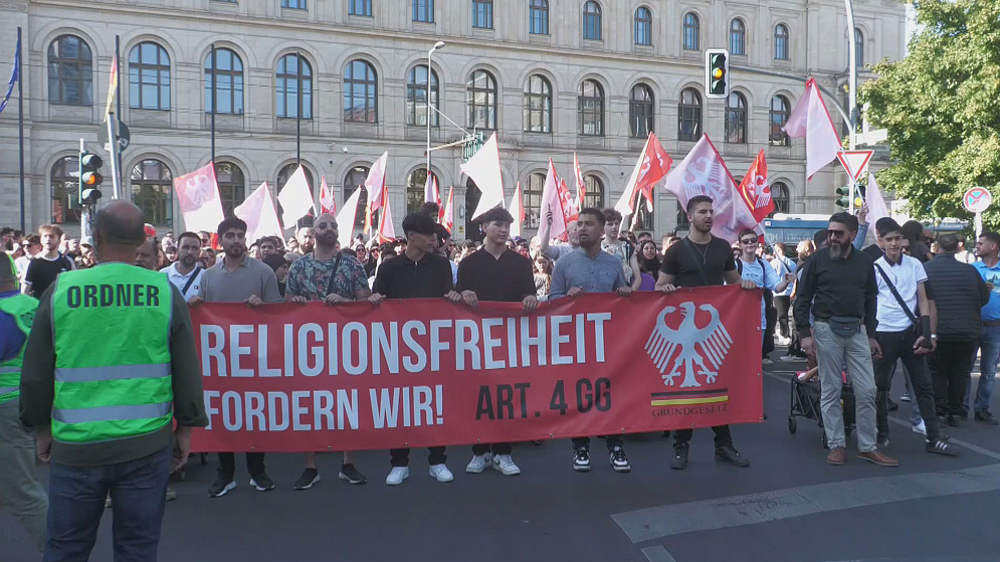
(989,343)
(76,504)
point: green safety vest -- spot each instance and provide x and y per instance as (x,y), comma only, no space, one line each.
(22,309)
(111,326)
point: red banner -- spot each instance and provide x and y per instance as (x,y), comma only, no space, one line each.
(417,373)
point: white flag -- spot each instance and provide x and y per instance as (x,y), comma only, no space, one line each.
(811,119)
(296,198)
(876,204)
(346,218)
(259,213)
(484,170)
(516,210)
(375,182)
(386,232)
(198,196)
(552,204)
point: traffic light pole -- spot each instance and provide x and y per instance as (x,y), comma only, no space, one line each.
(852,69)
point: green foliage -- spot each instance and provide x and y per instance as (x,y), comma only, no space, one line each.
(941,108)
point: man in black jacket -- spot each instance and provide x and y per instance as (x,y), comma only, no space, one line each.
(960,293)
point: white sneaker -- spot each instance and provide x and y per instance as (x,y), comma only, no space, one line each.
(791,358)
(398,474)
(505,464)
(920,428)
(441,473)
(479,463)
(766,361)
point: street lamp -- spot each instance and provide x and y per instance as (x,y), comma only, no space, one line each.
(438,45)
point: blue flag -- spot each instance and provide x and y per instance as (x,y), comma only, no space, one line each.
(15,74)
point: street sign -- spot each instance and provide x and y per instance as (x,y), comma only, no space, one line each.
(855,161)
(124,136)
(977,199)
(472,146)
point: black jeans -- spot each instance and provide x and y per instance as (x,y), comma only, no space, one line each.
(782,303)
(401,457)
(497,448)
(227,464)
(682,437)
(951,365)
(896,346)
(612,441)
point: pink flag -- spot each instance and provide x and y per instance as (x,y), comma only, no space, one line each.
(386,232)
(876,204)
(346,218)
(811,119)
(516,210)
(448,212)
(581,186)
(552,208)
(296,198)
(484,170)
(198,196)
(259,213)
(375,183)
(703,172)
(431,194)
(327,203)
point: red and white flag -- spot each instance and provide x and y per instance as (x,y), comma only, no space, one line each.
(327,203)
(552,207)
(260,214)
(703,172)
(652,166)
(484,170)
(569,203)
(811,119)
(198,197)
(375,182)
(516,210)
(581,186)
(346,218)
(386,232)
(296,198)
(756,190)
(448,213)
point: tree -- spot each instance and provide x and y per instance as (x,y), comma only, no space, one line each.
(941,108)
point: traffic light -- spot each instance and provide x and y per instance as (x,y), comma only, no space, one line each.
(844,197)
(717,73)
(90,177)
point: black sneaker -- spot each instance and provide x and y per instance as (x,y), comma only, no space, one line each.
(222,485)
(729,454)
(309,477)
(581,459)
(986,417)
(351,474)
(618,460)
(941,447)
(954,421)
(261,482)
(882,442)
(892,405)
(680,460)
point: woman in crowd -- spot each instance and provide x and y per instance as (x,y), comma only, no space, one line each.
(280,267)
(543,276)
(649,265)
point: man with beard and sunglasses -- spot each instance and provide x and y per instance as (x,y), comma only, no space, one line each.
(838,286)
(238,278)
(331,277)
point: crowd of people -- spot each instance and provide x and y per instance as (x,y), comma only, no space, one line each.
(852,312)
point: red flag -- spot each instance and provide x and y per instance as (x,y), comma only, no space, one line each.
(570,208)
(327,203)
(652,166)
(448,213)
(581,186)
(755,189)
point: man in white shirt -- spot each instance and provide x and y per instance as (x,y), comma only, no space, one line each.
(185,273)
(32,245)
(902,335)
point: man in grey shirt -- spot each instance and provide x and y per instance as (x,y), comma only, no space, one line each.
(238,278)
(590,270)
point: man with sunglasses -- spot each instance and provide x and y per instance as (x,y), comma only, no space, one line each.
(838,287)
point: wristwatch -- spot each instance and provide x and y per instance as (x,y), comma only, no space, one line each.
(934,337)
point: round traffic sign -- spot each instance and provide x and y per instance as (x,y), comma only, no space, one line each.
(977,199)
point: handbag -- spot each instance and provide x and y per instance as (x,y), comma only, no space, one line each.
(845,326)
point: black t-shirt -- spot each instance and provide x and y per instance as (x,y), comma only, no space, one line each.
(873,252)
(507,279)
(402,278)
(686,260)
(43,272)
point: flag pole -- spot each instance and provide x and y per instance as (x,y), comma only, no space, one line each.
(215,102)
(20,125)
(118,110)
(298,111)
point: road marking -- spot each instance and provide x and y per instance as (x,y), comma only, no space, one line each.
(657,554)
(664,521)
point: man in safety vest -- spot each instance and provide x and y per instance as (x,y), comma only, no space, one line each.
(109,365)
(21,493)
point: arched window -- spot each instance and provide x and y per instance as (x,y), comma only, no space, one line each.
(415,184)
(228,76)
(859,48)
(689,115)
(416,97)
(780,110)
(591,109)
(737,37)
(149,77)
(640,111)
(533,200)
(538,17)
(355,177)
(538,105)
(360,93)
(643,26)
(779,194)
(482,100)
(290,81)
(692,32)
(423,11)
(781,42)
(232,186)
(152,191)
(736,118)
(595,192)
(592,21)
(360,8)
(66,191)
(482,14)
(682,216)
(287,171)
(70,72)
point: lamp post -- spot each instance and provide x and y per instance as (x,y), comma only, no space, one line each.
(438,45)
(852,108)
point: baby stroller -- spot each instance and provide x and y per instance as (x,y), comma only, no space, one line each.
(805,403)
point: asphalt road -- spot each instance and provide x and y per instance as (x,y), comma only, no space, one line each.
(788,506)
